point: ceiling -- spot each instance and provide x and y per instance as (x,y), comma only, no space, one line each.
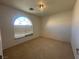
(53,6)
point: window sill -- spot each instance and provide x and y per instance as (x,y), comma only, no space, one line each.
(18,36)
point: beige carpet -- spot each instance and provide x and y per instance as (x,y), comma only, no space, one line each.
(41,48)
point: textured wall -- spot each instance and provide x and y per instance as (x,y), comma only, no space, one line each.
(75,29)
(57,26)
(8,15)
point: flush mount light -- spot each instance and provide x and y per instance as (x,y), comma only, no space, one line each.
(42,5)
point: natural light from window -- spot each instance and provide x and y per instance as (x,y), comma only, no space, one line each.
(22,27)
(22,21)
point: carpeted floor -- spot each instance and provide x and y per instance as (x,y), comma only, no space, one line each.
(40,48)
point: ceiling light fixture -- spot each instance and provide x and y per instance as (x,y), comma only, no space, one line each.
(42,5)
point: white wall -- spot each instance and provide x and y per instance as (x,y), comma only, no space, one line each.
(0,44)
(57,26)
(8,15)
(0,40)
(75,29)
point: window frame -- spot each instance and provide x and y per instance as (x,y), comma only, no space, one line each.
(29,34)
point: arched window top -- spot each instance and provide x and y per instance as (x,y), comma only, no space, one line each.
(22,21)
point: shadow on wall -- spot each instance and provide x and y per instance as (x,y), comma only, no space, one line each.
(8,14)
(57,26)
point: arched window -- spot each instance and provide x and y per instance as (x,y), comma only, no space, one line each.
(22,27)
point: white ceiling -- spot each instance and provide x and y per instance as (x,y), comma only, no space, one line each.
(54,6)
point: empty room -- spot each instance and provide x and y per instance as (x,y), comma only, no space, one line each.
(39,29)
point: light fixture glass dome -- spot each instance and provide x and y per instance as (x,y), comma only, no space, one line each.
(42,5)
